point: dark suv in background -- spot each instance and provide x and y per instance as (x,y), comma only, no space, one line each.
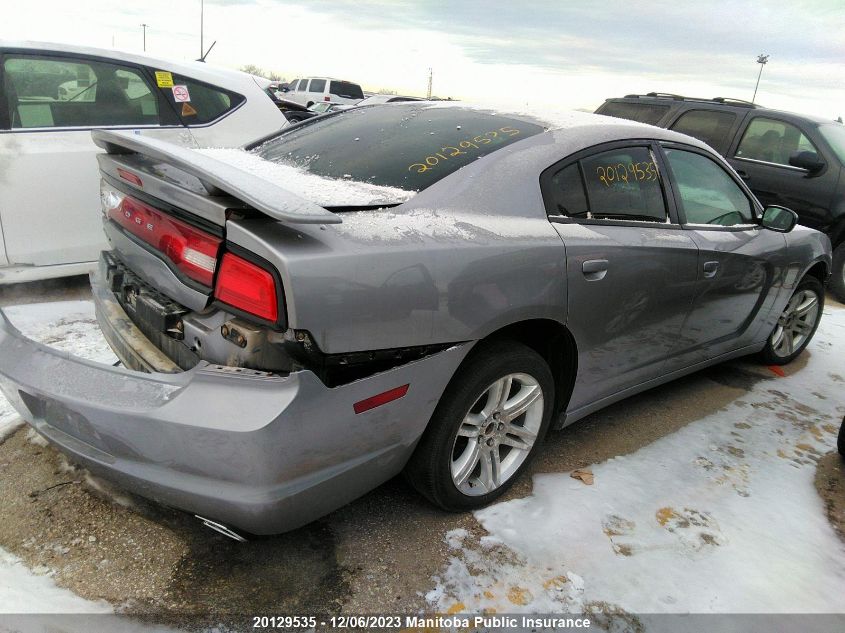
(787,159)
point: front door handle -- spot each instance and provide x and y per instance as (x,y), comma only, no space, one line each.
(710,269)
(594,269)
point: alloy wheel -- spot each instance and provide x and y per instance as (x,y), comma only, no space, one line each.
(497,434)
(796,323)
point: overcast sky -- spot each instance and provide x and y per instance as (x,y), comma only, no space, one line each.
(563,54)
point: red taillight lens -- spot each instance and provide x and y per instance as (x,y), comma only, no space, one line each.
(327,98)
(248,287)
(191,250)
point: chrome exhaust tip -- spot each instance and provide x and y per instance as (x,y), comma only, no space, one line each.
(222,529)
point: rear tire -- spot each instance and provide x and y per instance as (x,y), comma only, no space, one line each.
(796,325)
(837,278)
(486,427)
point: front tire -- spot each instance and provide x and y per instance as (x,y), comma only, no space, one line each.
(797,324)
(486,427)
(837,278)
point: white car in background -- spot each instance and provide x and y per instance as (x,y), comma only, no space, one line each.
(53,95)
(315,89)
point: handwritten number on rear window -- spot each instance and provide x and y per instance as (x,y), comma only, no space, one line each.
(451,151)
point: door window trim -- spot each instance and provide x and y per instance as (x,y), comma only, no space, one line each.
(756,208)
(548,173)
(756,161)
(739,117)
(142,71)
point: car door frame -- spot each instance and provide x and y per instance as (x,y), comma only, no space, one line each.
(823,202)
(702,105)
(777,288)
(584,398)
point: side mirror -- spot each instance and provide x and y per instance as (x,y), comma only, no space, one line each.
(779,219)
(806,160)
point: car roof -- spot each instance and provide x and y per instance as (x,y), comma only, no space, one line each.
(720,103)
(224,77)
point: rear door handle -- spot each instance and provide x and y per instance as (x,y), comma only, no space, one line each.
(594,269)
(743,174)
(710,269)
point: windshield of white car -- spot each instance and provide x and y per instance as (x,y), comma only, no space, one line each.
(409,146)
(834,134)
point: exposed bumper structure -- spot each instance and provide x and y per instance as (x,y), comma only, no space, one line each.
(263,453)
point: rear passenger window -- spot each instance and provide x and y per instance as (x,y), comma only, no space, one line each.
(566,193)
(198,103)
(65,92)
(708,195)
(318,85)
(624,185)
(711,126)
(772,141)
(643,112)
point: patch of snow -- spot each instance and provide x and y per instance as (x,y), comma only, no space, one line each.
(326,192)
(70,326)
(25,591)
(34,437)
(719,517)
(66,325)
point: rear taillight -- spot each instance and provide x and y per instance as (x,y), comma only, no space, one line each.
(327,98)
(192,251)
(246,286)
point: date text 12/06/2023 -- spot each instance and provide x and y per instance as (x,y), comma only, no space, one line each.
(470,145)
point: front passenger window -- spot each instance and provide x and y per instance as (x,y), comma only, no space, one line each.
(708,195)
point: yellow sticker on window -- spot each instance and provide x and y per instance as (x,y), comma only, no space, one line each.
(188,110)
(164,79)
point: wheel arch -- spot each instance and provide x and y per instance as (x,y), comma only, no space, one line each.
(554,342)
(818,269)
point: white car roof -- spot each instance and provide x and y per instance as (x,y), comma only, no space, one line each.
(224,77)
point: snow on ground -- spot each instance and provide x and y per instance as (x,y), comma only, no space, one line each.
(23,591)
(721,516)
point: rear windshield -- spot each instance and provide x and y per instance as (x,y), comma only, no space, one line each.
(346,90)
(409,146)
(642,112)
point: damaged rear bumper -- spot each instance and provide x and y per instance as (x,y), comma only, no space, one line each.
(261,452)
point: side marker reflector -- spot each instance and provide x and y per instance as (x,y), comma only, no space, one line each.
(380,399)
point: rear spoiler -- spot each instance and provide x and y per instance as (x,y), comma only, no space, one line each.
(260,193)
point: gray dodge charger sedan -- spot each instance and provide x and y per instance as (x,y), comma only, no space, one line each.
(411,287)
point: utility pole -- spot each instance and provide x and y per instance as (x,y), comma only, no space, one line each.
(144,26)
(430,78)
(761,59)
